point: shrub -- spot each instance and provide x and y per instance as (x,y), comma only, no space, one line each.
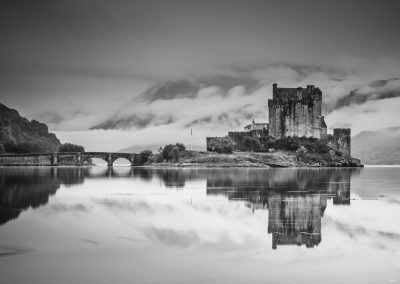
(143,157)
(159,158)
(2,151)
(69,147)
(181,147)
(287,143)
(21,148)
(311,144)
(166,151)
(174,154)
(251,143)
(221,145)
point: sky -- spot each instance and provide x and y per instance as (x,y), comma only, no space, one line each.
(76,65)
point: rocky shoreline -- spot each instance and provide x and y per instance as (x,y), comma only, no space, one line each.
(279,159)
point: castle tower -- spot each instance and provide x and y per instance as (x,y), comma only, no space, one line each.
(342,138)
(296,112)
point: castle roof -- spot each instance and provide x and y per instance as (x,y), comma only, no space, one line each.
(294,93)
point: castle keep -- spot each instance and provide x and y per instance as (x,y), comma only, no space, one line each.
(294,112)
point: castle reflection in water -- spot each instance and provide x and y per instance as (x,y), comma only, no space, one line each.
(295,198)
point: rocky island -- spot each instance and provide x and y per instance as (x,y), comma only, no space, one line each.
(295,136)
(278,159)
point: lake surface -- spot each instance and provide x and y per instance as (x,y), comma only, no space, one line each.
(123,225)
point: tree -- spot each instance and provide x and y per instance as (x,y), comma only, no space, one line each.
(21,148)
(221,145)
(287,143)
(251,143)
(143,157)
(2,151)
(69,147)
(181,147)
(166,151)
(174,155)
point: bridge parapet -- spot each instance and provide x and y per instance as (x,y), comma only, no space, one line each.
(63,159)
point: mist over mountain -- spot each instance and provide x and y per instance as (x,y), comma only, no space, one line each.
(190,100)
(376,90)
(231,101)
(17,129)
(380,147)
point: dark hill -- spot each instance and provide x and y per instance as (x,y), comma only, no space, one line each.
(17,130)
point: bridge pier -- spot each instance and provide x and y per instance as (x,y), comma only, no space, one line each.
(109,160)
(54,159)
(80,159)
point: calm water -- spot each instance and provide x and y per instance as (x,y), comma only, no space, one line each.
(123,225)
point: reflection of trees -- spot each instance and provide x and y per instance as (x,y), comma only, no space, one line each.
(143,173)
(71,175)
(170,177)
(31,187)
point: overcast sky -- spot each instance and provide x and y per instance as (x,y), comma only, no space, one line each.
(74,64)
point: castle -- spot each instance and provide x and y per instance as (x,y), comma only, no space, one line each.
(295,112)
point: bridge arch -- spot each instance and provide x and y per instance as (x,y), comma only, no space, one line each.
(122,162)
(86,156)
(127,156)
(67,158)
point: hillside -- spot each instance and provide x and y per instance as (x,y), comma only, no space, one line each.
(17,129)
(380,147)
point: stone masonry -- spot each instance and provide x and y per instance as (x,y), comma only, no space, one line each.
(296,112)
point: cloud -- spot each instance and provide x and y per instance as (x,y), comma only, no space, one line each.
(224,98)
(376,90)
(216,104)
(370,115)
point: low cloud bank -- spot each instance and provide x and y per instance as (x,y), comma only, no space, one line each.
(360,94)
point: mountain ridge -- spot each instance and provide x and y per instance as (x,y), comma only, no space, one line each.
(380,147)
(16,129)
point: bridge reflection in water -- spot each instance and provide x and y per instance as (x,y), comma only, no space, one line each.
(295,198)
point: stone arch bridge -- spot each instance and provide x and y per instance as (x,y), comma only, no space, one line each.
(65,159)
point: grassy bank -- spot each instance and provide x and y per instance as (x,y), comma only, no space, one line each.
(253,159)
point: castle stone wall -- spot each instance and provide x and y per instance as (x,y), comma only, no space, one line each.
(295,112)
(237,137)
(342,136)
(340,141)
